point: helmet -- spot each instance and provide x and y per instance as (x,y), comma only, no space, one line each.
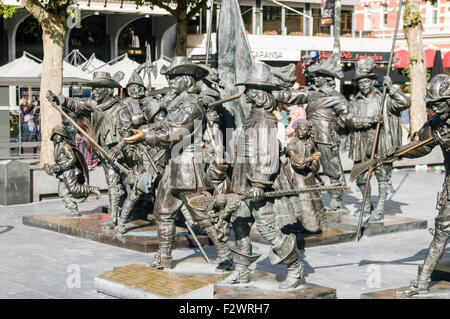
(438,88)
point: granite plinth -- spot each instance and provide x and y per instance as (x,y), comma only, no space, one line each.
(390,224)
(190,278)
(440,272)
(264,285)
(438,290)
(328,237)
(141,236)
(194,278)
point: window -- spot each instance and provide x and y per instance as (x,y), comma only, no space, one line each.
(294,21)
(317,28)
(368,18)
(435,13)
(346,21)
(272,19)
(385,15)
(247,17)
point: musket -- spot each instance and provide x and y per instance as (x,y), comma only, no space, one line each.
(206,200)
(377,132)
(105,154)
(225,100)
(360,168)
(160,91)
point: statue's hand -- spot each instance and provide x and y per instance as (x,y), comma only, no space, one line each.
(47,168)
(137,137)
(387,82)
(316,155)
(52,97)
(257,193)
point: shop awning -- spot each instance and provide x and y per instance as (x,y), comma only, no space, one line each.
(401,59)
(446,60)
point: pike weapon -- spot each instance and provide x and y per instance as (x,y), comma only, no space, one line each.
(370,165)
(377,132)
(207,200)
(105,154)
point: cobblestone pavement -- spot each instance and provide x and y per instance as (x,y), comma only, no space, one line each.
(36,263)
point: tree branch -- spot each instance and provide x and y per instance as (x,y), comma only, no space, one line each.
(161,4)
(36,9)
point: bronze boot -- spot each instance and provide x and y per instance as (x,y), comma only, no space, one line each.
(166,237)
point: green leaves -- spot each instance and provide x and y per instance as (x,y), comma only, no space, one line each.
(7,11)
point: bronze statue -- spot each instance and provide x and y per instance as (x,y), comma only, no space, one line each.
(255,168)
(71,170)
(362,118)
(435,132)
(304,168)
(112,121)
(327,111)
(185,174)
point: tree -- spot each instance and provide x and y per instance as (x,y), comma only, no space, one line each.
(184,11)
(52,16)
(413,28)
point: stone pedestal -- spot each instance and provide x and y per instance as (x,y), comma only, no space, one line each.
(438,290)
(141,236)
(194,278)
(14,182)
(390,224)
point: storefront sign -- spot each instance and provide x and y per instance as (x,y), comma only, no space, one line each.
(327,12)
(276,55)
(355,55)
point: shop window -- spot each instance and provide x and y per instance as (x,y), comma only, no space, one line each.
(271,20)
(319,30)
(294,22)
(346,22)
(247,17)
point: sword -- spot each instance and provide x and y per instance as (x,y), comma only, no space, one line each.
(377,132)
(122,168)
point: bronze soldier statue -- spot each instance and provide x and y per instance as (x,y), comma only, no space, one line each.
(255,169)
(362,118)
(304,168)
(71,170)
(112,121)
(185,174)
(327,111)
(437,130)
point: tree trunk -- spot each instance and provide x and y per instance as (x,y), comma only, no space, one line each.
(182,26)
(413,33)
(54,31)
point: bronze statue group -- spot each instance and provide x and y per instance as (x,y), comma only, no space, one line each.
(171,147)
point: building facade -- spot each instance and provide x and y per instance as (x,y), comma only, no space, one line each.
(377,19)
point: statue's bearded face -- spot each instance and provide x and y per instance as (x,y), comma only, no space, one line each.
(365,85)
(442,109)
(136,91)
(98,94)
(177,84)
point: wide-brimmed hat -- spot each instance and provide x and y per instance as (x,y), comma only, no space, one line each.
(59,129)
(135,79)
(438,88)
(330,67)
(261,78)
(365,69)
(104,80)
(182,65)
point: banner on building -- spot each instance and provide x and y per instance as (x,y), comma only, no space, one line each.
(327,14)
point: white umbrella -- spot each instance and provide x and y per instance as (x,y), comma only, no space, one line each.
(17,67)
(127,66)
(94,64)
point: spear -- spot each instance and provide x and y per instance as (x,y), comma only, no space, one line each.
(377,132)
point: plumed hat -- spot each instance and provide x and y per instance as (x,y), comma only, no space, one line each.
(330,67)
